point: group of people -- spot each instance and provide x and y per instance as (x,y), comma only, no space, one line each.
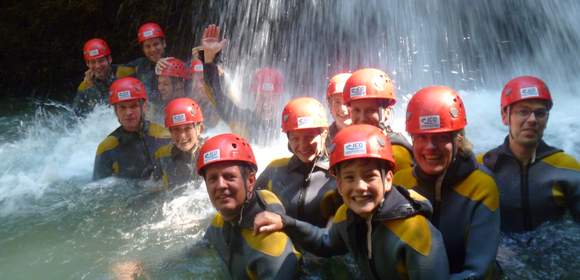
(429,209)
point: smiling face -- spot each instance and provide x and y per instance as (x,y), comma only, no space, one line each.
(366,111)
(154,49)
(433,152)
(101,67)
(225,187)
(339,110)
(306,144)
(361,186)
(185,136)
(129,114)
(527,122)
(170,88)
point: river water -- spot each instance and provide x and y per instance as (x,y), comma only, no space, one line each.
(57,224)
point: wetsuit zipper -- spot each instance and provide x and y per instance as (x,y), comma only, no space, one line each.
(525,196)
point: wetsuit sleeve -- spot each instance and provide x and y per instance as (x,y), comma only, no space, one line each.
(323,242)
(573,194)
(103,167)
(433,265)
(81,101)
(482,238)
(226,108)
(276,267)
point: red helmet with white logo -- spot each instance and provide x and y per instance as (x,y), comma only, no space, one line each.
(435,109)
(224,148)
(126,89)
(369,83)
(267,81)
(182,111)
(96,48)
(148,31)
(336,84)
(196,66)
(175,68)
(525,88)
(361,141)
(303,113)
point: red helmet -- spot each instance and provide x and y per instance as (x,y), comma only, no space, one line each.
(175,68)
(225,147)
(336,84)
(182,111)
(369,83)
(435,109)
(303,113)
(126,89)
(267,80)
(361,141)
(149,30)
(525,88)
(196,66)
(96,48)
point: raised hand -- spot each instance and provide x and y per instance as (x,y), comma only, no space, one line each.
(210,42)
(161,64)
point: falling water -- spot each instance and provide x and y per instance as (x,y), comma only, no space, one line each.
(57,224)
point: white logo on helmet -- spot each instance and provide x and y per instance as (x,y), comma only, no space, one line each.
(355,148)
(305,121)
(198,68)
(94,52)
(267,86)
(529,92)
(210,156)
(178,118)
(358,91)
(124,95)
(429,122)
(148,33)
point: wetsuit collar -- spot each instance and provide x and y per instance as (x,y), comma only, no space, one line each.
(490,158)
(459,169)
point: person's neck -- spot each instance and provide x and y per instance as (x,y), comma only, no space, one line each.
(524,154)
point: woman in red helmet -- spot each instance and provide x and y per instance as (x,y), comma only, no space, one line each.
(98,78)
(338,109)
(184,120)
(302,182)
(383,226)
(465,199)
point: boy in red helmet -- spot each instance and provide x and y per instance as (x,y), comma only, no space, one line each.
(128,151)
(384,227)
(98,78)
(538,183)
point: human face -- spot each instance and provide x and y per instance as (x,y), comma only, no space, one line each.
(433,152)
(306,144)
(129,114)
(225,187)
(101,67)
(169,88)
(339,110)
(154,49)
(527,122)
(361,186)
(185,136)
(366,111)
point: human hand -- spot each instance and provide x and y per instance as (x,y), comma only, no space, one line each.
(210,42)
(161,65)
(267,222)
(88,79)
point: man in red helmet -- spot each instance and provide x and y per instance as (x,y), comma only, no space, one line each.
(266,84)
(228,166)
(370,95)
(98,78)
(128,151)
(152,40)
(538,183)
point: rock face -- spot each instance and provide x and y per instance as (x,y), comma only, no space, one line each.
(41,41)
